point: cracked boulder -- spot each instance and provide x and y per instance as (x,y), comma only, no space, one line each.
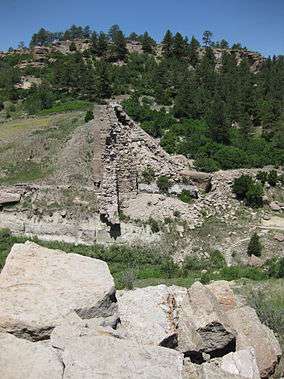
(148,315)
(105,356)
(24,359)
(251,332)
(39,286)
(203,325)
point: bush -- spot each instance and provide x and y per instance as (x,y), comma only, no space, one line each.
(247,189)
(193,263)
(128,279)
(89,116)
(163,184)
(148,175)
(207,164)
(169,268)
(185,196)
(1,105)
(272,178)
(254,247)
(262,177)
(217,259)
(241,186)
(154,225)
(275,267)
(254,195)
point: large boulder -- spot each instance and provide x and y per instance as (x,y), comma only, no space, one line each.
(148,315)
(92,349)
(9,197)
(24,359)
(252,333)
(39,286)
(238,365)
(203,325)
(242,363)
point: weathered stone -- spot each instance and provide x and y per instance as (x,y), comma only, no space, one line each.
(274,206)
(251,333)
(9,197)
(148,315)
(254,261)
(104,356)
(242,363)
(224,294)
(39,286)
(73,326)
(279,237)
(203,325)
(24,359)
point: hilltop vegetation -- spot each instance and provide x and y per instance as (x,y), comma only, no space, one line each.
(222,115)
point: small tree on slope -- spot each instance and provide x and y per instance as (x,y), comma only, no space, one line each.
(254,247)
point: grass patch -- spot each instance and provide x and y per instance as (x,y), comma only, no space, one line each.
(76,105)
(140,266)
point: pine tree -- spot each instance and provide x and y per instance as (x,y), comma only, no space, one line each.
(102,44)
(245,125)
(103,83)
(254,247)
(207,35)
(147,43)
(120,45)
(193,55)
(168,44)
(179,46)
(218,122)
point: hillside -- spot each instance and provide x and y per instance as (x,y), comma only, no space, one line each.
(141,208)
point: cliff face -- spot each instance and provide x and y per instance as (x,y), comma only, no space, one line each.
(40,53)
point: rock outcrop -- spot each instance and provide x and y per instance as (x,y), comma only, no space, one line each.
(122,152)
(24,359)
(39,286)
(59,319)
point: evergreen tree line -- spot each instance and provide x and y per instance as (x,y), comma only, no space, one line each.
(224,116)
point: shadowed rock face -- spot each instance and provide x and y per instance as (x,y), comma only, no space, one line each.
(38,286)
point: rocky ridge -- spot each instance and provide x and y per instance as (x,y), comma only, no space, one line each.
(154,332)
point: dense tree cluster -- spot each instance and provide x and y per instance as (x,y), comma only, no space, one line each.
(222,115)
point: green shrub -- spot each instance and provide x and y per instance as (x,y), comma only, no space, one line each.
(247,189)
(148,175)
(163,183)
(89,116)
(1,105)
(254,247)
(169,268)
(275,267)
(205,278)
(217,259)
(185,196)
(269,308)
(154,225)
(272,178)
(194,263)
(241,186)
(128,279)
(254,195)
(262,177)
(207,164)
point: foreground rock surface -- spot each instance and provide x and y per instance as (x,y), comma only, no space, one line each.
(23,359)
(38,286)
(148,315)
(252,333)
(66,305)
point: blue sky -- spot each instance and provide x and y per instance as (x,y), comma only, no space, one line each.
(257,24)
